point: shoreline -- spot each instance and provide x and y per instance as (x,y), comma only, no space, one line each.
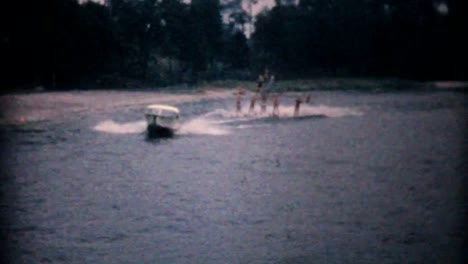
(294,85)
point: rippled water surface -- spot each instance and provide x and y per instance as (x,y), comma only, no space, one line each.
(359,177)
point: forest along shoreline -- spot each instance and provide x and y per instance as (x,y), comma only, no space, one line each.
(104,44)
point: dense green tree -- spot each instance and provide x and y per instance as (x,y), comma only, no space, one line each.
(206,30)
(176,17)
(61,43)
(237,16)
(236,51)
(54,43)
(413,39)
(97,42)
(138,30)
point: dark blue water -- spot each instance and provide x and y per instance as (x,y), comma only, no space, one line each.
(359,178)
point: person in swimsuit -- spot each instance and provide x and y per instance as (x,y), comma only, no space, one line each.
(266,90)
(297,105)
(252,104)
(239,103)
(276,106)
(260,83)
(264,99)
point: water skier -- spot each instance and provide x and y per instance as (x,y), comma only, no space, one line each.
(263,95)
(266,90)
(298,105)
(276,106)
(252,104)
(260,83)
(239,103)
(270,82)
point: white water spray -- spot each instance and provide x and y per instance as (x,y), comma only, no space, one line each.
(198,126)
(328,111)
(287,111)
(112,127)
(214,122)
(203,126)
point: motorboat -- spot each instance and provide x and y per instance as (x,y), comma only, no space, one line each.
(162,120)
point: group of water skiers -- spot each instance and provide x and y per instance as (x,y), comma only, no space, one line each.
(263,91)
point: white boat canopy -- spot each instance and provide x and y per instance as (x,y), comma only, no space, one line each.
(164,107)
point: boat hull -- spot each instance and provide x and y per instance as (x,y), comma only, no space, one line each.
(159,126)
(155,131)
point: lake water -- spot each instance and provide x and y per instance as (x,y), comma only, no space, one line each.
(359,177)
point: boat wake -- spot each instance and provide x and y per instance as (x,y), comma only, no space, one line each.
(203,126)
(285,112)
(315,110)
(196,126)
(222,121)
(112,127)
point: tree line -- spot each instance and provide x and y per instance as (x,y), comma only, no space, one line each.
(417,39)
(125,43)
